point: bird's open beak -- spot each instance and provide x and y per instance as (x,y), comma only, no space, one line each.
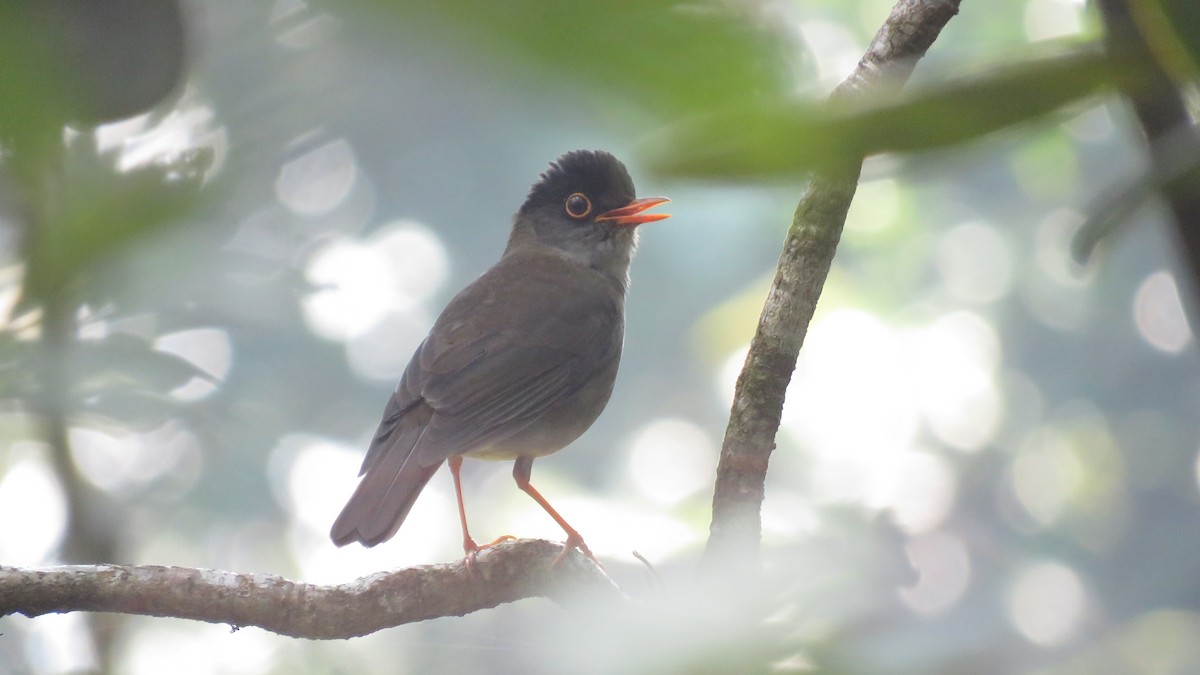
(631,213)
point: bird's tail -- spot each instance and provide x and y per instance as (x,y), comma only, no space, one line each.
(385,494)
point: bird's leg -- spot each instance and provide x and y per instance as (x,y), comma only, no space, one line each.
(521,471)
(470,548)
(469,545)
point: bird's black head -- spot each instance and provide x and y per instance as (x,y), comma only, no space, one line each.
(585,205)
(591,175)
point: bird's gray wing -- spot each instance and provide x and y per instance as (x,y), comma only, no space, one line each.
(498,398)
(401,404)
(496,362)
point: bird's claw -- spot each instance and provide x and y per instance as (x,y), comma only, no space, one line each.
(471,549)
(574,541)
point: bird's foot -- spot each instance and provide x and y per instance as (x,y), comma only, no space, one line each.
(471,549)
(574,541)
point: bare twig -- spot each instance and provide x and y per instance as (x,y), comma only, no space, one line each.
(506,572)
(808,252)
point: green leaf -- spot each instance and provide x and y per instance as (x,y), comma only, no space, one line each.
(130,407)
(1172,29)
(95,61)
(121,360)
(664,55)
(97,210)
(33,90)
(791,137)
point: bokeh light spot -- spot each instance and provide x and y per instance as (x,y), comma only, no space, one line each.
(383,352)
(727,376)
(919,489)
(611,528)
(875,207)
(30,488)
(1046,603)
(123,463)
(416,260)
(311,479)
(952,369)
(851,369)
(975,262)
(1045,475)
(60,643)
(943,567)
(318,181)
(209,349)
(354,285)
(834,48)
(360,283)
(1158,313)
(320,478)
(860,393)
(671,459)
(416,257)
(184,649)
(786,514)
(1048,19)
(849,403)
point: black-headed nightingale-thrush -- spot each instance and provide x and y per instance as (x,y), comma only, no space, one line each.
(522,361)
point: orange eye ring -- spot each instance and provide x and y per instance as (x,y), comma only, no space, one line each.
(578,205)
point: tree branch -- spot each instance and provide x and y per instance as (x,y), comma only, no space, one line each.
(1172,137)
(736,530)
(509,571)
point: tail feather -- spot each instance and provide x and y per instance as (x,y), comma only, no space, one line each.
(380,504)
(386,492)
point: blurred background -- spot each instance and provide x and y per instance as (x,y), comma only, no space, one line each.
(225,226)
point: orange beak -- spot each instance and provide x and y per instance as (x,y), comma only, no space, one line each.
(631,213)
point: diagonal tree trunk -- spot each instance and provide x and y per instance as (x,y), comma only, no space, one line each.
(736,530)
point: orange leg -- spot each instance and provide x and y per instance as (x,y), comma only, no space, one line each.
(470,548)
(521,471)
(469,545)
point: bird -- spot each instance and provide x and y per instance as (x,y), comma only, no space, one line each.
(521,361)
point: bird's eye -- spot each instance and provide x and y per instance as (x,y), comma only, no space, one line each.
(578,205)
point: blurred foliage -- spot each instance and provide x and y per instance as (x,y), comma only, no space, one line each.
(87,62)
(64,65)
(782,138)
(91,210)
(1182,166)
(779,136)
(1170,27)
(668,57)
